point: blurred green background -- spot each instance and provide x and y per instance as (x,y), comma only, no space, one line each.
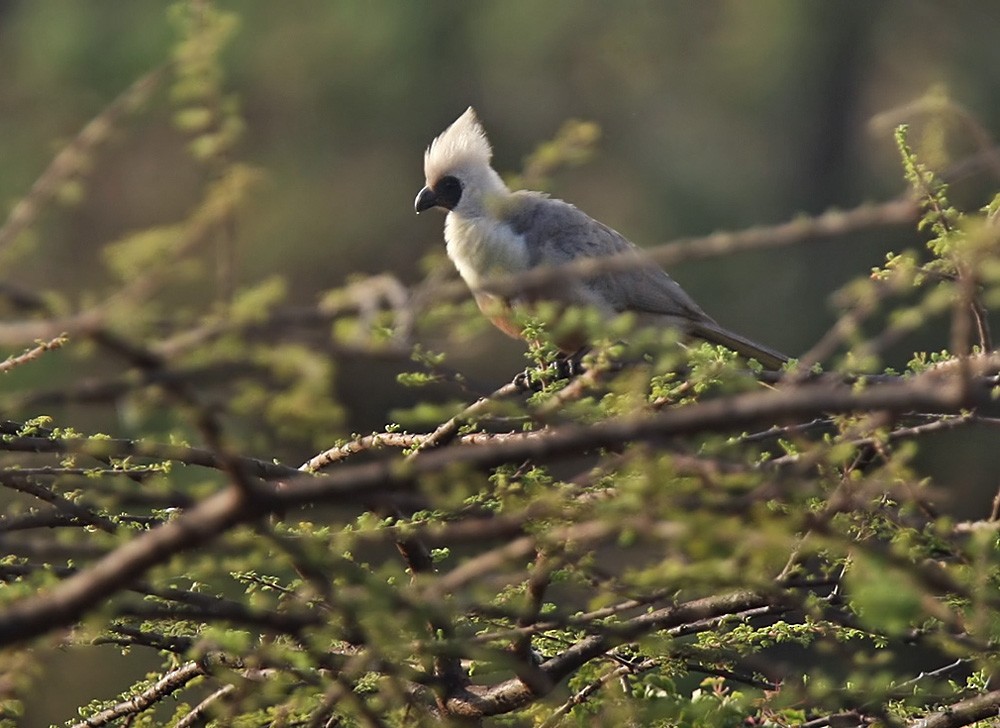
(715,114)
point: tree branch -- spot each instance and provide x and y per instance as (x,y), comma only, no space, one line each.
(169,683)
(965,712)
(381,480)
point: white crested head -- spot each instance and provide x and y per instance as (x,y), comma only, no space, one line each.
(458,174)
(461,145)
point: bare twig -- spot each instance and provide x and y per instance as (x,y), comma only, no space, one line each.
(12,362)
(358,445)
(198,713)
(582,695)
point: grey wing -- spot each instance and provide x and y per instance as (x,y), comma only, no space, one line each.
(557,233)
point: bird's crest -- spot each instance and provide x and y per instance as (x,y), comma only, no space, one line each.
(461,143)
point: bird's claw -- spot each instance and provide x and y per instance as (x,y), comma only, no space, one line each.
(534,379)
(569,367)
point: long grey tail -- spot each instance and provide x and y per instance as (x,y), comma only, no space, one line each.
(715,334)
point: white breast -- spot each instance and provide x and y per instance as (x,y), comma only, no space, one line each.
(482,248)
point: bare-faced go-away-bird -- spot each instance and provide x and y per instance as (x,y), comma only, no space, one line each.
(492,232)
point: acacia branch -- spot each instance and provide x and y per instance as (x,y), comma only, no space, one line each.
(965,712)
(169,683)
(198,717)
(509,695)
(63,506)
(128,636)
(12,362)
(736,413)
(365,483)
(99,447)
(582,695)
(65,603)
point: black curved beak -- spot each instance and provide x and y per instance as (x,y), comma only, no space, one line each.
(426,199)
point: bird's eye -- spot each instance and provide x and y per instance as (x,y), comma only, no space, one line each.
(448,191)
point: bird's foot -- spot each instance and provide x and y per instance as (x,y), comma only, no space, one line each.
(534,379)
(570,367)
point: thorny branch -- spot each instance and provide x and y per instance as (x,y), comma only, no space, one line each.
(962,713)
(361,483)
(365,483)
(169,683)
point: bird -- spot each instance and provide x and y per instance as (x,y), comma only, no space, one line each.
(491,231)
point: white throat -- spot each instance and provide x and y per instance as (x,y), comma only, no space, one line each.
(482,247)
